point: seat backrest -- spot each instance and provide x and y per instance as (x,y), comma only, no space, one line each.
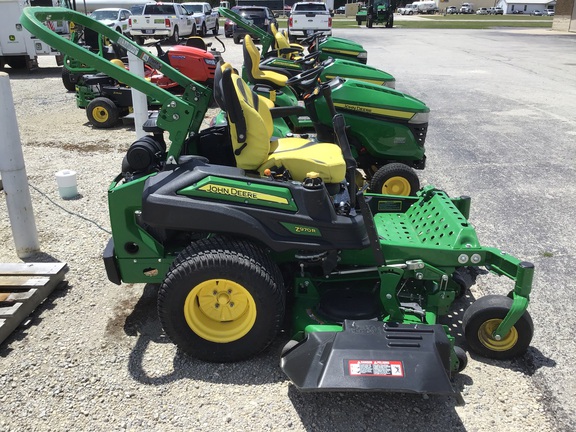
(252,69)
(251,59)
(196,42)
(281,43)
(249,118)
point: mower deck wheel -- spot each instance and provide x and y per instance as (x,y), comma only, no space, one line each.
(462,358)
(102,113)
(222,300)
(395,179)
(481,320)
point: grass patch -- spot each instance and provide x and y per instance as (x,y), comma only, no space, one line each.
(458,22)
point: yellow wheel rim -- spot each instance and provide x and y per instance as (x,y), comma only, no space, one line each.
(220,310)
(396,186)
(485,336)
(100,114)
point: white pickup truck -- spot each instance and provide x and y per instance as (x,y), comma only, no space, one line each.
(161,21)
(206,17)
(307,18)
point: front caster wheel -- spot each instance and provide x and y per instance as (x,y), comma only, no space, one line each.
(481,320)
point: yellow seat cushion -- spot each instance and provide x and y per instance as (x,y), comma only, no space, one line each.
(301,156)
(252,145)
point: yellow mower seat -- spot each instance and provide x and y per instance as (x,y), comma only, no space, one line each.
(252,67)
(282,42)
(251,131)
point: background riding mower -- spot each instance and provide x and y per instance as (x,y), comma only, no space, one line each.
(288,60)
(364,278)
(387,129)
(106,100)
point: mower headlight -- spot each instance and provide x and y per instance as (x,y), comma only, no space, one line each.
(390,84)
(211,62)
(362,56)
(419,118)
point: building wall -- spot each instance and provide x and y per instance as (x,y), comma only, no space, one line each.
(565,16)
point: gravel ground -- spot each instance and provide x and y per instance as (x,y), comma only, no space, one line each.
(94,356)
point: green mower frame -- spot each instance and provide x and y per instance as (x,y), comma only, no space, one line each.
(365,284)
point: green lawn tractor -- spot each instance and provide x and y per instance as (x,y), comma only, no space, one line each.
(386,128)
(290,59)
(377,12)
(278,233)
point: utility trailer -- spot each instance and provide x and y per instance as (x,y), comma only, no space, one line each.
(19,49)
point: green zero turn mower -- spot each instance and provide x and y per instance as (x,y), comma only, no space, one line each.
(276,232)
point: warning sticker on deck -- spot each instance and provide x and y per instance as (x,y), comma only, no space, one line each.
(379,368)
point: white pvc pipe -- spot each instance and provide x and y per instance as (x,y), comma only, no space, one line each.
(139,100)
(14,177)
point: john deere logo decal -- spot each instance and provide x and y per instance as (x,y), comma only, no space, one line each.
(375,111)
(258,194)
(242,193)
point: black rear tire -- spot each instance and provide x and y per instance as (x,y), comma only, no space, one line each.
(216,29)
(222,300)
(175,36)
(68,84)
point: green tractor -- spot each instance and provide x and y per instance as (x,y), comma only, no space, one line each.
(377,12)
(244,233)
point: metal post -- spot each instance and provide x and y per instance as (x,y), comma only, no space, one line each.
(14,177)
(139,100)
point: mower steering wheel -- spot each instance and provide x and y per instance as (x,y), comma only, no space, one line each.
(309,59)
(306,79)
(311,38)
(327,62)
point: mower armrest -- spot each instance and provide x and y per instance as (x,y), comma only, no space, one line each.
(278,112)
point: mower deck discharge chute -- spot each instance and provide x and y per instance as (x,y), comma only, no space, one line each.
(372,356)
(241,229)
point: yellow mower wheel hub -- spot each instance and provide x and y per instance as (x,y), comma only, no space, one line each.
(220,310)
(396,185)
(100,114)
(486,332)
